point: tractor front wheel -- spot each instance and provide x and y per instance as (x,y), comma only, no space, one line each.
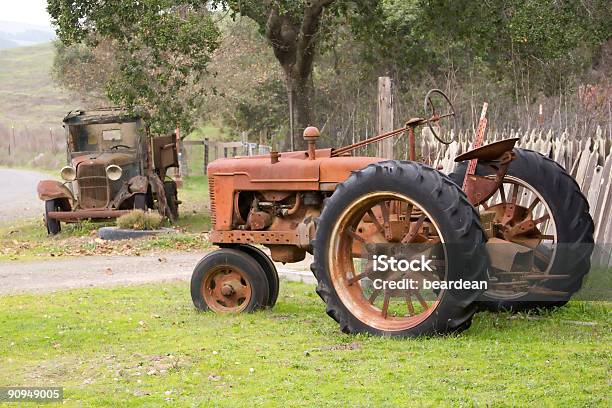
(229,281)
(269,268)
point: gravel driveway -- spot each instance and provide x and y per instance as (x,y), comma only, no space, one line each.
(18,198)
(94,271)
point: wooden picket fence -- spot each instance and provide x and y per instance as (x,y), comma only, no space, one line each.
(196,154)
(588,160)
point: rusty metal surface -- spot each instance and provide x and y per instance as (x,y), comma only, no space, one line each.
(138,184)
(488,152)
(287,253)
(256,237)
(52,189)
(226,289)
(94,187)
(311,134)
(86,214)
(479,188)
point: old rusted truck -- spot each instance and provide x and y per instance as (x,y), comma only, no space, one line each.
(114,165)
(514,234)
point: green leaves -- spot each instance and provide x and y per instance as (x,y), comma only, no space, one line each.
(160,47)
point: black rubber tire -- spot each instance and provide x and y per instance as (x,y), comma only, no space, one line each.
(570,211)
(227,256)
(140,201)
(458,222)
(268,267)
(53,226)
(172,199)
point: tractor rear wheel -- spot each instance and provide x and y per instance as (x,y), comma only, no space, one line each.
(410,210)
(229,281)
(537,192)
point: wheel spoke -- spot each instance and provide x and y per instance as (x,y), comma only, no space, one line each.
(409,304)
(422,301)
(375,221)
(409,209)
(541,219)
(353,234)
(385,307)
(374,295)
(535,202)
(514,193)
(502,194)
(362,275)
(414,228)
(357,278)
(384,210)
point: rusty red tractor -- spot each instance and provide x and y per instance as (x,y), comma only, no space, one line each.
(521,226)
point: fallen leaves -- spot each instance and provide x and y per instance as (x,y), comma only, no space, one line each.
(94,246)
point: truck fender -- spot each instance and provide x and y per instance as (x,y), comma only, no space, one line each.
(138,184)
(53,189)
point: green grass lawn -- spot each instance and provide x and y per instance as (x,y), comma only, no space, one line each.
(146,345)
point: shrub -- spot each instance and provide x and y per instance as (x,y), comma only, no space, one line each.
(139,220)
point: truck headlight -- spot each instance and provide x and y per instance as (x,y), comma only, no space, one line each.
(68,173)
(114,172)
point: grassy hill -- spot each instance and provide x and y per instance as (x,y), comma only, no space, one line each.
(28,96)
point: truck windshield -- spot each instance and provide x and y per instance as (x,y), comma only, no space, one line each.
(92,139)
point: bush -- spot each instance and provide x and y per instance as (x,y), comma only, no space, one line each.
(139,220)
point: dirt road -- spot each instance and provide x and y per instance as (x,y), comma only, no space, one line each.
(90,271)
(18,197)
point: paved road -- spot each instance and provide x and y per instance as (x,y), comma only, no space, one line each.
(18,197)
(94,271)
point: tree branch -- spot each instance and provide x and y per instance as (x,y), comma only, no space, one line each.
(307,39)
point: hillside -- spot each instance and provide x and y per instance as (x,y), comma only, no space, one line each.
(28,96)
(14,34)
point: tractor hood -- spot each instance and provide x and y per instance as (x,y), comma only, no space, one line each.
(293,171)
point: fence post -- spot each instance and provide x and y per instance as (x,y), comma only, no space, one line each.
(385,116)
(205,155)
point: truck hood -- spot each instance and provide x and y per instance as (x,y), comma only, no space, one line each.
(105,159)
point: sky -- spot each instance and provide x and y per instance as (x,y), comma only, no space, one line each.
(25,11)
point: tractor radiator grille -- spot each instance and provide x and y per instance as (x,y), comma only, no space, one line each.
(93,186)
(211,189)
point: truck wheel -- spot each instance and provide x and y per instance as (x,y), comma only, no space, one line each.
(172,199)
(269,268)
(561,238)
(229,281)
(405,206)
(53,225)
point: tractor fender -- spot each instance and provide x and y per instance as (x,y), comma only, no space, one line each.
(53,189)
(489,152)
(138,184)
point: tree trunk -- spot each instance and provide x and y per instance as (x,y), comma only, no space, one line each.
(299,91)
